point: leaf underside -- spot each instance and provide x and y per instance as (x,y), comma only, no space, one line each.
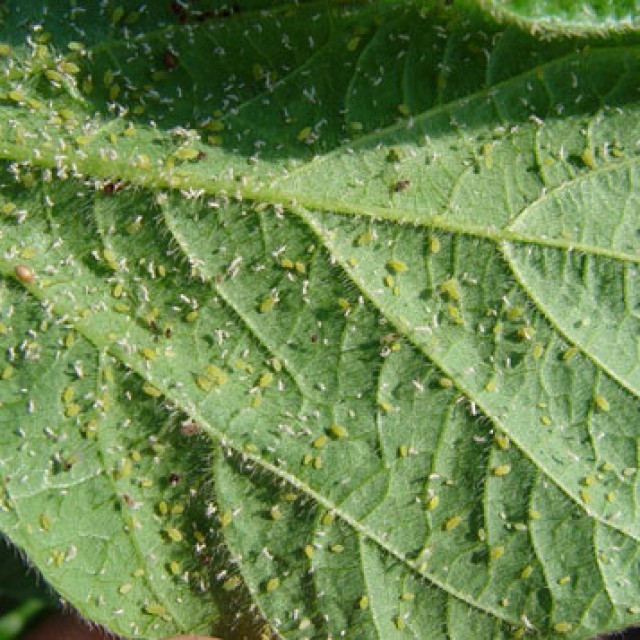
(325,313)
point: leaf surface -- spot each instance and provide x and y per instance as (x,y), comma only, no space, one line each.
(596,16)
(383,260)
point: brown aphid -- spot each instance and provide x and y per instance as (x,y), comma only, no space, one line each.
(112,187)
(24,273)
(170,60)
(189,428)
(401,185)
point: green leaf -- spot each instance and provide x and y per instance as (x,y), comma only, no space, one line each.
(323,314)
(595,17)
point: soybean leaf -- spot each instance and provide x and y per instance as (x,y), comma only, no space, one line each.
(324,313)
(594,17)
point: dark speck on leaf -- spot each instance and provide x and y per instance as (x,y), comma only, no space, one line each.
(401,185)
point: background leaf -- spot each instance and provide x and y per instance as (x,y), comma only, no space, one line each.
(324,314)
(598,16)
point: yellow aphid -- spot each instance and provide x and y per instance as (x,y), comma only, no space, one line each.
(496,552)
(328,518)
(501,470)
(187,153)
(452,523)
(338,431)
(363,603)
(147,353)
(268,304)
(398,266)
(526,572)
(434,245)
(156,609)
(353,44)
(526,333)
(320,441)
(265,380)
(204,383)
(150,390)
(72,410)
(216,375)
(365,239)
(232,583)
(275,512)
(272,584)
(602,404)
(589,158)
(175,535)
(433,502)
(451,288)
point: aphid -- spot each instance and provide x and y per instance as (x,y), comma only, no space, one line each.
(526,572)
(111,187)
(25,274)
(452,523)
(401,185)
(497,552)
(232,583)
(588,158)
(501,470)
(174,479)
(338,431)
(397,266)
(175,535)
(602,404)
(272,584)
(320,441)
(189,428)
(170,60)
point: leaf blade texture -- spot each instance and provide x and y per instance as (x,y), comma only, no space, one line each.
(327,314)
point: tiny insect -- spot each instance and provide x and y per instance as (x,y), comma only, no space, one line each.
(112,187)
(401,185)
(24,273)
(170,60)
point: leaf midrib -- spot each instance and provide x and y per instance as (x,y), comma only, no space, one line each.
(182,181)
